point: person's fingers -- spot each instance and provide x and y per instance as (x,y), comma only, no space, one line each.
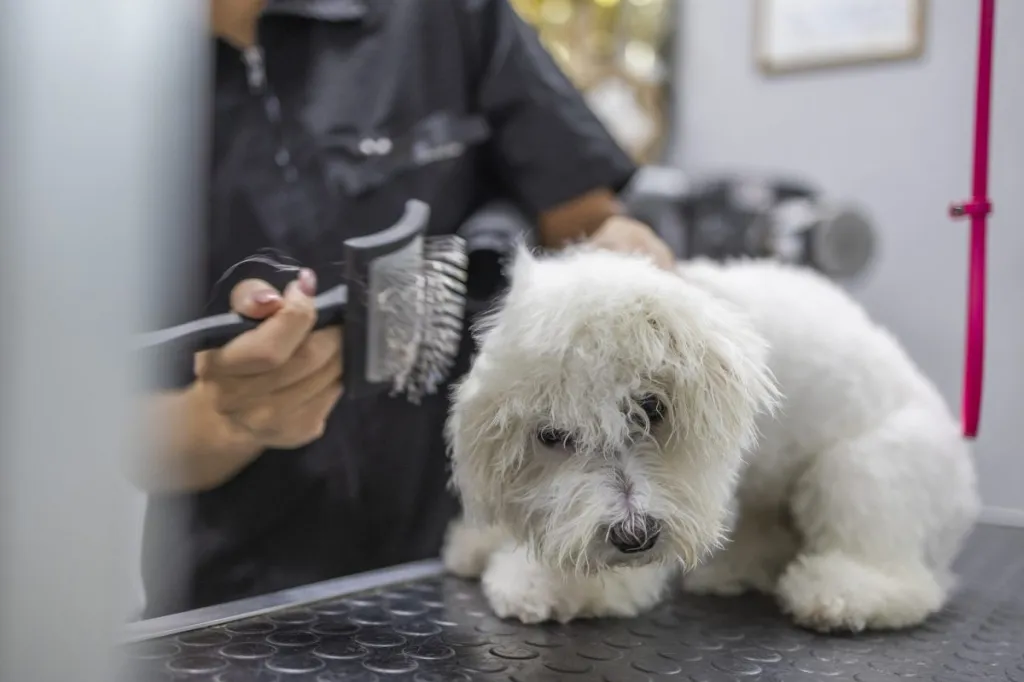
(311,423)
(663,255)
(321,406)
(271,344)
(255,299)
(284,406)
(319,349)
(317,411)
(314,388)
(252,298)
(322,346)
(307,282)
(631,236)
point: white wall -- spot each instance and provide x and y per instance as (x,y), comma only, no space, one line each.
(896,137)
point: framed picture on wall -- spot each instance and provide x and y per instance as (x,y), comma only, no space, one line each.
(797,35)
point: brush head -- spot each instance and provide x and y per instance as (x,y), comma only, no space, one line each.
(414,287)
(429,357)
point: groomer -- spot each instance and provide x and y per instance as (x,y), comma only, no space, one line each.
(327,116)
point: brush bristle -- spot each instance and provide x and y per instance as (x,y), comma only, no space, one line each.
(440,304)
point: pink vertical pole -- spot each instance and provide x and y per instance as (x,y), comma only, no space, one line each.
(978,209)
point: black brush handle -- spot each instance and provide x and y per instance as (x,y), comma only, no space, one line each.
(217,331)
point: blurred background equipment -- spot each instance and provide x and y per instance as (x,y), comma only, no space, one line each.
(492,235)
(617,52)
(716,217)
(722,217)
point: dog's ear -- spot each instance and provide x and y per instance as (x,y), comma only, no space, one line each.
(722,380)
(484,448)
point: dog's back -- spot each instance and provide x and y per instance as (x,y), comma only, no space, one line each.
(854,407)
(839,371)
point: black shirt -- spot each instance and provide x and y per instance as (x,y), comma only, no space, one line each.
(365,104)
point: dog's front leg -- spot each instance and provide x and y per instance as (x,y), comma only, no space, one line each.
(468,547)
(517,586)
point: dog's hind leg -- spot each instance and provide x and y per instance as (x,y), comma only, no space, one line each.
(881,517)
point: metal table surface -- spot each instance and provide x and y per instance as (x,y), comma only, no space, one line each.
(414,624)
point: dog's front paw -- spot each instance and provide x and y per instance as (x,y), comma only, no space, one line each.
(524,597)
(519,588)
(467,548)
(517,601)
(835,593)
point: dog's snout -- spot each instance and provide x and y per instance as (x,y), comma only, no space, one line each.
(634,536)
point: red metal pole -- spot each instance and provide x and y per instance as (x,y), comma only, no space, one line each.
(977,209)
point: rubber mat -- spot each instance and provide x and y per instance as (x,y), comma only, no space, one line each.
(440,630)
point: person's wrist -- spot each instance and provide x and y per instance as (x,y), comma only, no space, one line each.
(194,447)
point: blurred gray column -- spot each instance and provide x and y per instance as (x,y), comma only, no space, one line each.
(100,137)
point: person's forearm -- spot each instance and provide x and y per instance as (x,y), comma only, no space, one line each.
(599,219)
(577,219)
(192,447)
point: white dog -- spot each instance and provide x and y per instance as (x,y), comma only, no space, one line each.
(747,423)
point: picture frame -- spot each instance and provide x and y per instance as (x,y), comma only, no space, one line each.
(802,35)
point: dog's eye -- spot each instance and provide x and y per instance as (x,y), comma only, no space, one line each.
(652,407)
(551,437)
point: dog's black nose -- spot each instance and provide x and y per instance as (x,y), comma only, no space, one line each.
(636,535)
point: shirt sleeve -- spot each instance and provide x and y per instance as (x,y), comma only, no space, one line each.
(547,146)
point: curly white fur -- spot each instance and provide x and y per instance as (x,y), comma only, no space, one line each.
(620,422)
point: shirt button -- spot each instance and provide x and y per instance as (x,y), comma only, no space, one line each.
(272,106)
(375,147)
(367,147)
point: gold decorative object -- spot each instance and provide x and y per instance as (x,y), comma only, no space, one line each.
(614,51)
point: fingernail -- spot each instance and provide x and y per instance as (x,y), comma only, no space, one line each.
(266,296)
(307,281)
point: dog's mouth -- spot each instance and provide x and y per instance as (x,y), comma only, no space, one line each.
(615,559)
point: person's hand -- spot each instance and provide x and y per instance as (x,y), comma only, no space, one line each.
(277,384)
(626,235)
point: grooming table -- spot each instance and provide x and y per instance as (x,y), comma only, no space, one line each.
(411,623)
